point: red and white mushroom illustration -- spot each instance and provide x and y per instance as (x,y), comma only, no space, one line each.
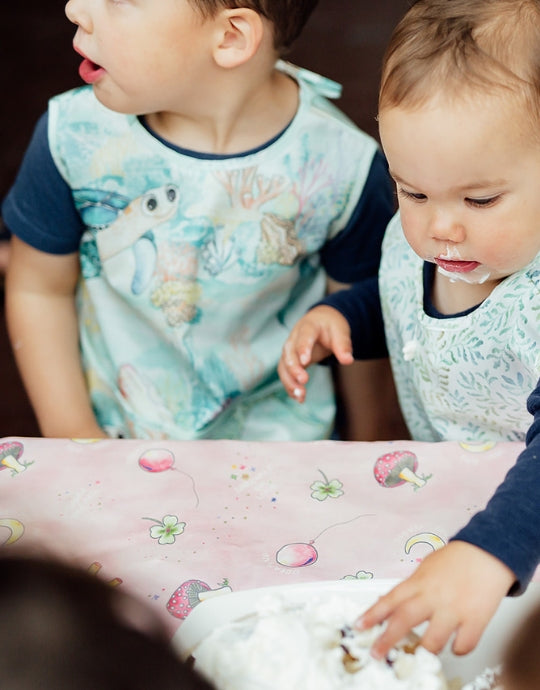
(10,452)
(190,594)
(397,468)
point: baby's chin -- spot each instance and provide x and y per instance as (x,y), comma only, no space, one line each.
(477,277)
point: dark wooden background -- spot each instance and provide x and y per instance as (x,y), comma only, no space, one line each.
(344,40)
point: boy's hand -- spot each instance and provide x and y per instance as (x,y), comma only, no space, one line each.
(321,332)
(457,589)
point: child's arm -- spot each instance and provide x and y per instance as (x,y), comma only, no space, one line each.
(368,407)
(321,332)
(42,324)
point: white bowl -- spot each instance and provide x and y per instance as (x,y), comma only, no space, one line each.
(225,608)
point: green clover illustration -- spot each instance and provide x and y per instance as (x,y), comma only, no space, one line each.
(326,489)
(167,529)
(360,575)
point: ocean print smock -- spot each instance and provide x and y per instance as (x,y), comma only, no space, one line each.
(463,378)
(195,268)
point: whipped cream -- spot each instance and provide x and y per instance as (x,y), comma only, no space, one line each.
(310,646)
(487,680)
(480,274)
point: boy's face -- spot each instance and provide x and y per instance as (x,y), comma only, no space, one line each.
(141,55)
(468,181)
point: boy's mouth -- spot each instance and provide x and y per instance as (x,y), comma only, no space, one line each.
(453,266)
(89,71)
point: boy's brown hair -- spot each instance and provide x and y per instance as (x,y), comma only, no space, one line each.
(461,45)
(287,16)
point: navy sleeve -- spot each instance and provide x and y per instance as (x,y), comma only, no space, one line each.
(355,252)
(509,526)
(361,306)
(39,208)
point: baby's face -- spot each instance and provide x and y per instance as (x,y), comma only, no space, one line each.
(467,174)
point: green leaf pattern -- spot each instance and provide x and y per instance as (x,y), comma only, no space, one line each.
(469,376)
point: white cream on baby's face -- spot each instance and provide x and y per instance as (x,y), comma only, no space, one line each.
(453,259)
(467,173)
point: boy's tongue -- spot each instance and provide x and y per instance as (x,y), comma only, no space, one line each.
(89,71)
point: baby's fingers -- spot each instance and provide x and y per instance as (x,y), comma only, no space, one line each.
(291,372)
(290,382)
(468,635)
(400,623)
(383,607)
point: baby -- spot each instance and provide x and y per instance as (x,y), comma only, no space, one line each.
(457,300)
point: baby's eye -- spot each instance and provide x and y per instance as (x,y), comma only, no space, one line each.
(482,203)
(415,196)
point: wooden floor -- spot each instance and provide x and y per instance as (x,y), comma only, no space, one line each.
(344,40)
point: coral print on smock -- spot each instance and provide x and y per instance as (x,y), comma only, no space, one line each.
(186,297)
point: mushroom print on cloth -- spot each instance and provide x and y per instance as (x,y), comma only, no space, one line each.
(11,457)
(397,468)
(190,594)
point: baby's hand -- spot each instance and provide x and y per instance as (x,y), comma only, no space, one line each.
(457,589)
(321,332)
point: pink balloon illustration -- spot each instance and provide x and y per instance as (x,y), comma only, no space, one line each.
(157,460)
(301,554)
(297,555)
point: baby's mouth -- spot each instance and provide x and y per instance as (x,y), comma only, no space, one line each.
(456,266)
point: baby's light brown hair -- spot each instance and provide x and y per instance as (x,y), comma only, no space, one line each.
(288,17)
(462,47)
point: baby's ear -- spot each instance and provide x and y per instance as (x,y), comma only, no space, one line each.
(240,35)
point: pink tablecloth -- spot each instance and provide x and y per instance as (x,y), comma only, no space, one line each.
(175,522)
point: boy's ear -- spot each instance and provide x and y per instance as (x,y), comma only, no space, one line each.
(240,35)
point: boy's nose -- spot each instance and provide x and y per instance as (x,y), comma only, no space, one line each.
(77,14)
(444,225)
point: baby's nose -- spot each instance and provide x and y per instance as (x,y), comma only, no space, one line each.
(446,226)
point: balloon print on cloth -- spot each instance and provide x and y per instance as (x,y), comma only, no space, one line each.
(190,594)
(16,530)
(301,554)
(157,460)
(430,538)
(398,468)
(11,457)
